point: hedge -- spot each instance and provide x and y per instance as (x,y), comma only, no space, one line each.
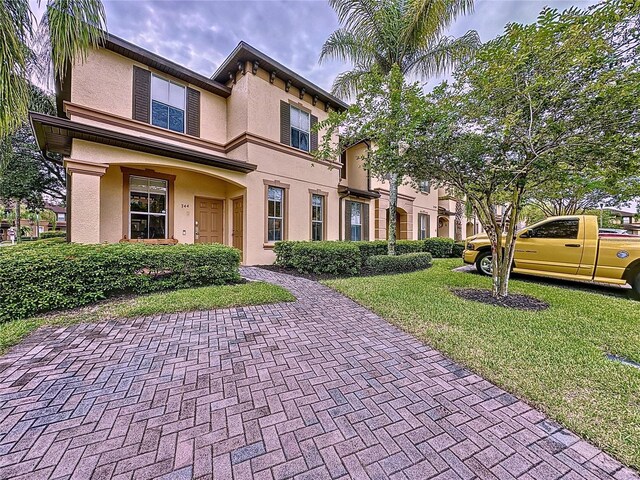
(439,247)
(47,276)
(53,234)
(335,258)
(409,262)
(284,253)
(458,249)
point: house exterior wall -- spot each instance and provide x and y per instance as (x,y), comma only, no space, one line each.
(245,127)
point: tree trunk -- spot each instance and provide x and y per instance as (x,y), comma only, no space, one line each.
(18,224)
(393,208)
(457,229)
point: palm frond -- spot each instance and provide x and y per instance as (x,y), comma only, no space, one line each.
(358,16)
(444,55)
(346,84)
(70,28)
(15,34)
(428,19)
(345,45)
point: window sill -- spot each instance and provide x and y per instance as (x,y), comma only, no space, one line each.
(268,246)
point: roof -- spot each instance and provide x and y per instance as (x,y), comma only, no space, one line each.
(139,54)
(620,213)
(354,192)
(245,52)
(56,208)
(55,134)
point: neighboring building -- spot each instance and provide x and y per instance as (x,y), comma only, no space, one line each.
(627,220)
(61,218)
(155,151)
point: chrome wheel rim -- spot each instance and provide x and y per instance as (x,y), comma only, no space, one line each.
(485,265)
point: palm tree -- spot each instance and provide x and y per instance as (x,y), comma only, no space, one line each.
(408,33)
(66,31)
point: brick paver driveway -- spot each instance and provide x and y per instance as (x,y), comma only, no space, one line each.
(319,388)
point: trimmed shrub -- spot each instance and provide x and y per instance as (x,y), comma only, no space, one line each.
(48,276)
(457,250)
(439,247)
(53,234)
(410,262)
(369,248)
(409,246)
(334,258)
(284,253)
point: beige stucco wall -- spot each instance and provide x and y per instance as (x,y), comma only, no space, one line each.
(104,82)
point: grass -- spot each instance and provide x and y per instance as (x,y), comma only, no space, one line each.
(554,359)
(203,298)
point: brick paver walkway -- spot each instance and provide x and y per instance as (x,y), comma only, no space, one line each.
(320,388)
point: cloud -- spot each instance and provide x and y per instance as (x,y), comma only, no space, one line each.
(200,34)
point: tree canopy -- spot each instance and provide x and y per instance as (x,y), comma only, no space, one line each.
(536,105)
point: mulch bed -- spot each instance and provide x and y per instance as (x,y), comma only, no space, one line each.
(514,300)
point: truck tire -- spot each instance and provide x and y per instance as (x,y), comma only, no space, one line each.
(483,263)
(635,286)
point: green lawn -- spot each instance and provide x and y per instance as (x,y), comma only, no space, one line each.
(203,298)
(552,359)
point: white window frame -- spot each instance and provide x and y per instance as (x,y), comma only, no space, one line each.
(307,131)
(360,205)
(423,217)
(282,213)
(424,186)
(321,221)
(147,213)
(184,104)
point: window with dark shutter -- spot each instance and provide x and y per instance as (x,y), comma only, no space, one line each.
(343,161)
(314,134)
(193,112)
(347,220)
(285,123)
(141,94)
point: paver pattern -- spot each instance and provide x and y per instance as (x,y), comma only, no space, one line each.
(316,389)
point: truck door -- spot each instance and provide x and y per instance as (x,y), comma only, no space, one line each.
(554,246)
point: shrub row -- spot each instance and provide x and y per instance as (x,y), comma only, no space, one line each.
(49,275)
(53,234)
(409,262)
(340,258)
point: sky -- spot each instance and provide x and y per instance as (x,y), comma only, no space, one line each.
(200,34)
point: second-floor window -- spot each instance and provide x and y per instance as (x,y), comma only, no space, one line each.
(167,104)
(300,128)
(356,221)
(425,187)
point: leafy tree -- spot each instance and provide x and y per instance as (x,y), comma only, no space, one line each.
(26,177)
(516,117)
(66,31)
(389,113)
(403,34)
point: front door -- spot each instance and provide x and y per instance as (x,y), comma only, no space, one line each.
(238,227)
(209,220)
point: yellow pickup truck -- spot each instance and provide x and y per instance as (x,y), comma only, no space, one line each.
(569,248)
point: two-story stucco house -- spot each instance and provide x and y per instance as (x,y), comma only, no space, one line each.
(156,152)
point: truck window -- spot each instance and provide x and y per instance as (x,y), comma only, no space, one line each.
(567,228)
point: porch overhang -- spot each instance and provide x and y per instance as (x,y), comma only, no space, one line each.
(55,135)
(354,192)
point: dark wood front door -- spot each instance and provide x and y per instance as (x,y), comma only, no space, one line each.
(209,221)
(238,223)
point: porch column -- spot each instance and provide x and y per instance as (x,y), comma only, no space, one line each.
(84,200)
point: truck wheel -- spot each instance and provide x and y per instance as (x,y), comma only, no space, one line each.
(635,286)
(483,263)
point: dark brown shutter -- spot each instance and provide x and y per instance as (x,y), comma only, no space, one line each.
(365,222)
(428,226)
(314,134)
(193,112)
(285,123)
(347,220)
(343,161)
(141,94)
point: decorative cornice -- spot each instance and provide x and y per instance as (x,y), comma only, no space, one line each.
(85,167)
